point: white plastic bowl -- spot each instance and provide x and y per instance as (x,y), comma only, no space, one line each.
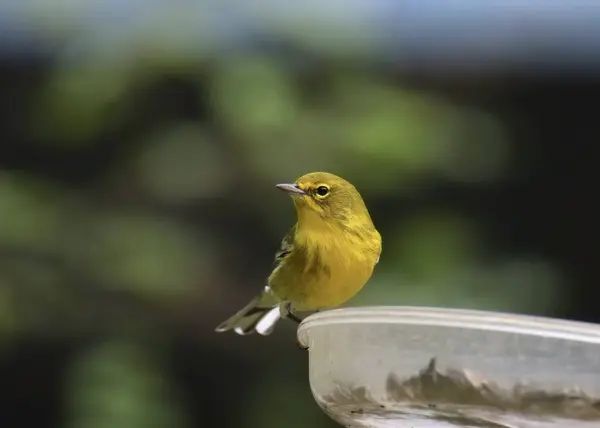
(431,367)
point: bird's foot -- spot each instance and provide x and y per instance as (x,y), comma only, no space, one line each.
(294,317)
(286,312)
(289,314)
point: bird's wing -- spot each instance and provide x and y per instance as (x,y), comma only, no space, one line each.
(286,247)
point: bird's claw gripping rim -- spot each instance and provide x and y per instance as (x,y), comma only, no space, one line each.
(286,312)
(289,314)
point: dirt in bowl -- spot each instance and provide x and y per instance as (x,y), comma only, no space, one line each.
(460,398)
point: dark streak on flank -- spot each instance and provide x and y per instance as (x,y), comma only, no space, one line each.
(359,233)
(317,267)
(314,266)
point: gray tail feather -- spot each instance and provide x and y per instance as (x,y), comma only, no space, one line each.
(252,318)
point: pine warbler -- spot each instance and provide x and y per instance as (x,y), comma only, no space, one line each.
(324,260)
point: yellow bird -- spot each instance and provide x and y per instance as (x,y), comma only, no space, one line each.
(324,260)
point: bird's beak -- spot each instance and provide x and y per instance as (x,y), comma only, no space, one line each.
(292,189)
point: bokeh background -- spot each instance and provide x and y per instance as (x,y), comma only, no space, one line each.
(140,142)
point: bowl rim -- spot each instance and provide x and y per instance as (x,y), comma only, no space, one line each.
(452,318)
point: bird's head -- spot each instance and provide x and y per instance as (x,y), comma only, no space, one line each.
(321,196)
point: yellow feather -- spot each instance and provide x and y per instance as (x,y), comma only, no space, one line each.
(333,251)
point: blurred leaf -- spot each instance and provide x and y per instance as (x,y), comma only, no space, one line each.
(119,384)
(42,292)
(477,151)
(388,124)
(82,100)
(254,96)
(520,285)
(152,257)
(182,163)
(30,213)
(431,246)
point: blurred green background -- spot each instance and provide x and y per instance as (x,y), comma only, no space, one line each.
(138,208)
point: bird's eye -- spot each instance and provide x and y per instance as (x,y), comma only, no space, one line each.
(322,191)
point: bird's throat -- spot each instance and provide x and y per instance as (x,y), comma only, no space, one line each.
(311,220)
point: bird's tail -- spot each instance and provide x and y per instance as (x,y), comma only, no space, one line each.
(260,315)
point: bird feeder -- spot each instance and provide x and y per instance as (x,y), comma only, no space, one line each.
(417,367)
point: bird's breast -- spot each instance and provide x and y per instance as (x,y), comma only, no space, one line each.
(330,269)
